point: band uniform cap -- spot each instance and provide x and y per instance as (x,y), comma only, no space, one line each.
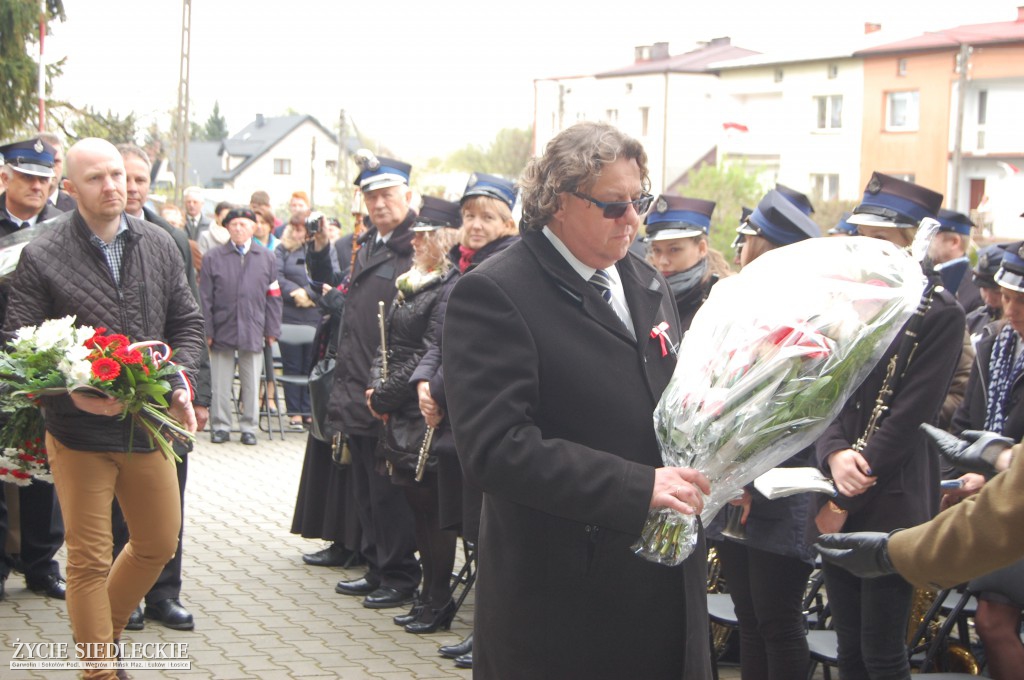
(235,213)
(892,202)
(989,260)
(951,220)
(492,186)
(843,227)
(1011,269)
(796,198)
(437,213)
(678,217)
(31,157)
(378,172)
(744,229)
(780,221)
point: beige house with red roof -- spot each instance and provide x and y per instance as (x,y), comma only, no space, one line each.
(944,110)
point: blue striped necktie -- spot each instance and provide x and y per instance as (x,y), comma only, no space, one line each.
(603,283)
(240,249)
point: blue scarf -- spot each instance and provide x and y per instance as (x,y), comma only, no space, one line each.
(1003,371)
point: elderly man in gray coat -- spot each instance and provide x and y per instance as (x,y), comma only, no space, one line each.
(241,302)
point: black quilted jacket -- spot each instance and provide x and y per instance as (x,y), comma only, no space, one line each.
(61,273)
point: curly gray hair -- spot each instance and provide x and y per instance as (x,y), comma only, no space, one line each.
(572,161)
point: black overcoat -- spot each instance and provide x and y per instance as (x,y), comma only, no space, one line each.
(551,403)
(907,492)
(372,280)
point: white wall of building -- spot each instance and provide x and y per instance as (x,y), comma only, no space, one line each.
(636,104)
(296,149)
(993,151)
(781,117)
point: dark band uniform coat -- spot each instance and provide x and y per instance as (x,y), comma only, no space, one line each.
(550,399)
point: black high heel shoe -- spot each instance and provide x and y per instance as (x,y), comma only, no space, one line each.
(414,613)
(432,619)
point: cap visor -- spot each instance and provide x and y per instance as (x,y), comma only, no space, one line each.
(869,220)
(669,234)
(33,169)
(381,183)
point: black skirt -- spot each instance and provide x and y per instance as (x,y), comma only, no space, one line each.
(324,507)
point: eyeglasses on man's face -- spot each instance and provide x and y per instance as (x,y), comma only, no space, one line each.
(616,209)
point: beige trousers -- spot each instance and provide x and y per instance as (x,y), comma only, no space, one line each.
(101,596)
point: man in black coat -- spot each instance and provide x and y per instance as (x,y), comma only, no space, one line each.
(26,175)
(551,377)
(385,518)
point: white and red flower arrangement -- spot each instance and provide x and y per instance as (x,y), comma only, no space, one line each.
(58,357)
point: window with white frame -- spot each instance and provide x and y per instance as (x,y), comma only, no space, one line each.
(282,166)
(901,111)
(612,115)
(830,112)
(645,115)
(825,186)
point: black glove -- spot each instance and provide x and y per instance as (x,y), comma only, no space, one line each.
(976,452)
(863,553)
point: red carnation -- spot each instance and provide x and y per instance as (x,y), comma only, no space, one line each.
(117,340)
(106,369)
(94,341)
(128,356)
(20,475)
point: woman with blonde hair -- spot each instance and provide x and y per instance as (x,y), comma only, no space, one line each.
(392,397)
(487,229)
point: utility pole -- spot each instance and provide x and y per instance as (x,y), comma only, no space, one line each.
(42,66)
(312,168)
(342,174)
(181,127)
(958,136)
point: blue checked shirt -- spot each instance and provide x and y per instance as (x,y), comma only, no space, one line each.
(113,251)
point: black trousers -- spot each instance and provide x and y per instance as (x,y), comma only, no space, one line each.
(168,584)
(42,532)
(767,592)
(389,529)
(870,617)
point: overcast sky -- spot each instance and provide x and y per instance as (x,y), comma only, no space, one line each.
(424,78)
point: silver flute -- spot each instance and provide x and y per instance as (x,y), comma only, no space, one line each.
(383,341)
(421,462)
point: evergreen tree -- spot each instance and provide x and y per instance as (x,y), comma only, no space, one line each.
(19,71)
(216,127)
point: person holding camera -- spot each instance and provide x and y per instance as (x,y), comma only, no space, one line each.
(299,308)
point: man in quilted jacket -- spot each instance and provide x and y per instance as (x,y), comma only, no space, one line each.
(120,273)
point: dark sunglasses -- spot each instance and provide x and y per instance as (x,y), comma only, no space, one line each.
(617,209)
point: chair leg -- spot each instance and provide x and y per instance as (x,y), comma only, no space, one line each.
(465,578)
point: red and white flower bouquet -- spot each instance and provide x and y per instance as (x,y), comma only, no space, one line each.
(58,357)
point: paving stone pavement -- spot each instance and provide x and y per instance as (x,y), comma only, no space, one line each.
(260,611)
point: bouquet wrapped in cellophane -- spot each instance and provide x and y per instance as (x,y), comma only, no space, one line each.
(768,363)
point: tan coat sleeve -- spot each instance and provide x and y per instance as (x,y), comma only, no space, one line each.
(972,538)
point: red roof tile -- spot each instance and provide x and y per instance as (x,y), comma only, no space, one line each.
(952,38)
